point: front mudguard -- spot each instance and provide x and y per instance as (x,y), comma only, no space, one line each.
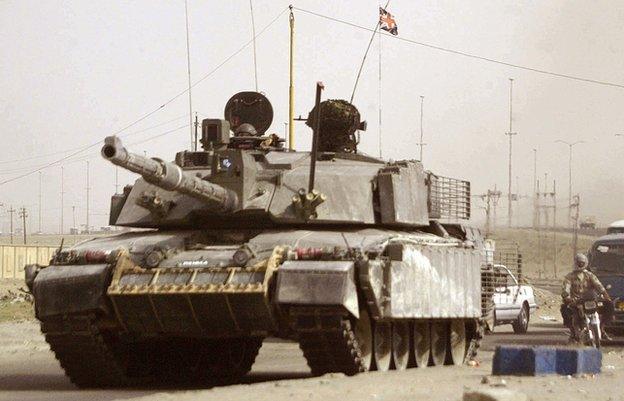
(71,289)
(318,283)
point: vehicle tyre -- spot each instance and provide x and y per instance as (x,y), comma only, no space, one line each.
(595,337)
(521,325)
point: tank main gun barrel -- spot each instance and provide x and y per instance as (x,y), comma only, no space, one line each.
(170,176)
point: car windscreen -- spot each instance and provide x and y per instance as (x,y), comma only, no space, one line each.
(608,258)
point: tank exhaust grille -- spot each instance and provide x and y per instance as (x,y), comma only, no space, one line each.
(449,198)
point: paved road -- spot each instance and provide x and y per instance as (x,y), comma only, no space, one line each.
(28,371)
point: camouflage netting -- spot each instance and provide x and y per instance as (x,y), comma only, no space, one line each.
(339,122)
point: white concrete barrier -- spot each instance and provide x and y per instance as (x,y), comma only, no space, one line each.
(13,258)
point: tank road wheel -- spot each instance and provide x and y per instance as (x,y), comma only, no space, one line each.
(421,344)
(457,342)
(364,336)
(400,345)
(439,341)
(382,345)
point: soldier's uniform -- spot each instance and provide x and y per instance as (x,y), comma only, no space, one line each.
(578,283)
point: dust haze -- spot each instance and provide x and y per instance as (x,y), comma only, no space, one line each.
(74,72)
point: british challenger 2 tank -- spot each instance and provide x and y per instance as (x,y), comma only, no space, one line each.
(345,253)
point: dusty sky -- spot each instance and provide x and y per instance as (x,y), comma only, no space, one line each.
(73,72)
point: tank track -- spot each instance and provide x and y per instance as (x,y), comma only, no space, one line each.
(328,342)
(95,359)
(83,352)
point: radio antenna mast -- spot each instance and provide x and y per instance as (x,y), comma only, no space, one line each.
(188,64)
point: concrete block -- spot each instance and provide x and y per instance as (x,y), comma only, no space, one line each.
(528,361)
(494,394)
(572,361)
(532,361)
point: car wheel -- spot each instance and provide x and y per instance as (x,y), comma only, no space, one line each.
(521,324)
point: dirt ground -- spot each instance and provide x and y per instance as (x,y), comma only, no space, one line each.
(15,302)
(28,371)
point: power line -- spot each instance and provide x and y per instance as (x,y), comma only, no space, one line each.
(93,155)
(466,54)
(82,147)
(215,69)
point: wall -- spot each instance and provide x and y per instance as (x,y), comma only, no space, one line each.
(13,258)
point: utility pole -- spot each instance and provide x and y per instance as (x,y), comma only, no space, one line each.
(576,203)
(570,145)
(510,134)
(421,143)
(494,206)
(62,200)
(74,216)
(23,215)
(197,125)
(39,228)
(555,228)
(544,202)
(518,200)
(11,211)
(88,188)
(539,227)
(491,197)
(534,188)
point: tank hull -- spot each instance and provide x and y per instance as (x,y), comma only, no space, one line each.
(334,291)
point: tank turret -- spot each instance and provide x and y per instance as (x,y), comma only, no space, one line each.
(170,176)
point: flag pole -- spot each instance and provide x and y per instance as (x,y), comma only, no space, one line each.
(379,89)
(291,88)
(357,78)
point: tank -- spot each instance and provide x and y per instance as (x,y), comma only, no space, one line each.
(356,258)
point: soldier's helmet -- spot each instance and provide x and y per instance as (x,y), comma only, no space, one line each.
(246,129)
(580,261)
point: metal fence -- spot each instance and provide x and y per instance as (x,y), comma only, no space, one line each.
(13,258)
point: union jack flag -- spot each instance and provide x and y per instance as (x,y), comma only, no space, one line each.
(387,22)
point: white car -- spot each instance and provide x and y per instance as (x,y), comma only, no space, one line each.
(513,302)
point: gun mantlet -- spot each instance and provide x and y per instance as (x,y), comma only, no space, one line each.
(170,177)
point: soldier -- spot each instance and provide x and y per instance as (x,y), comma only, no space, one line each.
(578,283)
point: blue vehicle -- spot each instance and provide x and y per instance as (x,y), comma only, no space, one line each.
(606,260)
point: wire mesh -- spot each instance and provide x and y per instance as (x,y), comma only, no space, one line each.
(502,270)
(449,198)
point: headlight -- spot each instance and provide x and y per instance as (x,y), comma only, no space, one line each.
(590,305)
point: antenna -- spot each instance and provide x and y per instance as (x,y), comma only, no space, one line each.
(291,86)
(188,64)
(253,32)
(62,199)
(315,136)
(88,189)
(39,230)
